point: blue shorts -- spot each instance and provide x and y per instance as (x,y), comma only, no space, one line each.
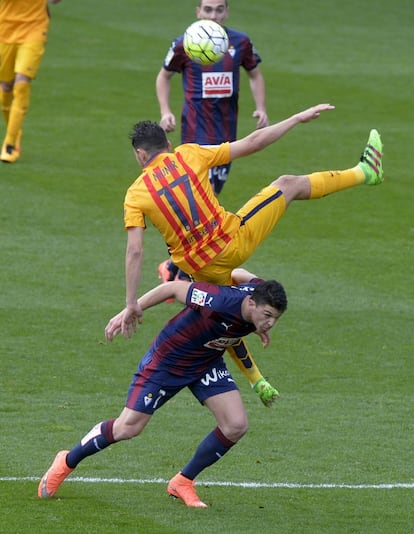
(218,176)
(146,395)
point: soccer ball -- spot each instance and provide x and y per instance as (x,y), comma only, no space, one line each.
(205,42)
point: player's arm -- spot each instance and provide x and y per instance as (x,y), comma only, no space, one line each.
(257,87)
(163,89)
(133,268)
(177,289)
(260,139)
(241,276)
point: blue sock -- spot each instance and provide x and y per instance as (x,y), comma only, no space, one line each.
(211,449)
(96,440)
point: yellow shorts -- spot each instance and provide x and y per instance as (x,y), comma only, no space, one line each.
(24,58)
(258,218)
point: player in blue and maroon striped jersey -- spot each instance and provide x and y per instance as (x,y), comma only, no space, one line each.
(210,110)
(188,352)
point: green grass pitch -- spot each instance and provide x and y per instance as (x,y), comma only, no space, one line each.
(335,455)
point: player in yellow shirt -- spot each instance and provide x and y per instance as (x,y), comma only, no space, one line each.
(204,239)
(23,34)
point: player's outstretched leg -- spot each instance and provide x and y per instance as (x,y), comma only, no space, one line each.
(54,476)
(371,159)
(182,488)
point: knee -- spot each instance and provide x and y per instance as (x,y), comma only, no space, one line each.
(284,181)
(293,187)
(123,431)
(237,429)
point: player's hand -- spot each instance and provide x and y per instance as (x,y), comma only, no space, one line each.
(267,393)
(130,317)
(314,112)
(113,328)
(167,122)
(125,321)
(262,119)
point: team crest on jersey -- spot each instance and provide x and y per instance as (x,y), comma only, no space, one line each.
(232,51)
(198,297)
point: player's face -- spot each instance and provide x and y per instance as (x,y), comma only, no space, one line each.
(264,317)
(212,10)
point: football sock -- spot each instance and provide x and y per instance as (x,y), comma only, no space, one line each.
(327,182)
(210,450)
(96,440)
(244,361)
(6,101)
(18,110)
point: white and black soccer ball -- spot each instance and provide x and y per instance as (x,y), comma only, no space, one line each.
(205,42)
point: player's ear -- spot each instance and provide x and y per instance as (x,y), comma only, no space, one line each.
(141,155)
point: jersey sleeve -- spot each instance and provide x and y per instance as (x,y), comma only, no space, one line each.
(200,294)
(176,58)
(211,155)
(251,58)
(133,216)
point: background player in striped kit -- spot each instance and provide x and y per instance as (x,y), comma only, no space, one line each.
(210,110)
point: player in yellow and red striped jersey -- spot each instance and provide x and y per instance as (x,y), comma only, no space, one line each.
(204,239)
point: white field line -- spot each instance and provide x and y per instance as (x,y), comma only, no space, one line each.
(288,485)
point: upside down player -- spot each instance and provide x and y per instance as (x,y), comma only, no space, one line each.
(187,351)
(23,33)
(205,240)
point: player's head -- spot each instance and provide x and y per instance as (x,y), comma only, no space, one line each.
(270,293)
(265,305)
(148,138)
(216,10)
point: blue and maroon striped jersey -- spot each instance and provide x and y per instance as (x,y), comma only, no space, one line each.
(209,114)
(200,333)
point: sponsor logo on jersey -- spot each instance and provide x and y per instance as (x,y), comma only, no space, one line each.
(221,343)
(217,84)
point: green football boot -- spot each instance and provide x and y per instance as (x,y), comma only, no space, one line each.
(371,159)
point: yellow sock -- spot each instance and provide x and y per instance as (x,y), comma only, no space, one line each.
(6,100)
(244,361)
(18,110)
(326,182)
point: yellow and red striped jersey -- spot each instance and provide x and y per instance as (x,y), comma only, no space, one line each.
(23,20)
(175,194)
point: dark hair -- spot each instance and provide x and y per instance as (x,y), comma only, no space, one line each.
(272,293)
(149,136)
